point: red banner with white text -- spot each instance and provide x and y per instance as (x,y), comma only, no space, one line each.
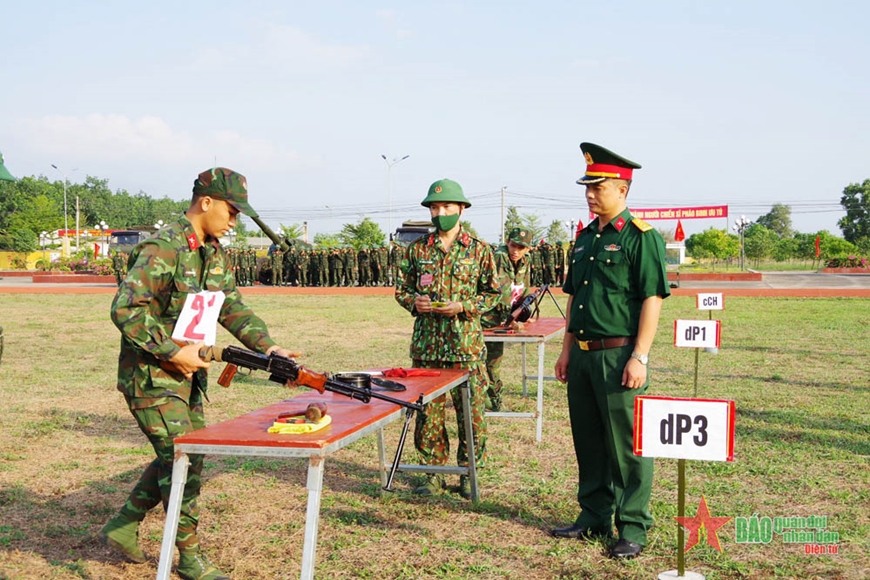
(679,213)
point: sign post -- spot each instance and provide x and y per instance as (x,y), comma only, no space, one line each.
(697,334)
(679,428)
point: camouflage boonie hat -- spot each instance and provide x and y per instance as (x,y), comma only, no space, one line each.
(225,184)
(520,237)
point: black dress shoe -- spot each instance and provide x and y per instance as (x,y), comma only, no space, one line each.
(625,550)
(579,532)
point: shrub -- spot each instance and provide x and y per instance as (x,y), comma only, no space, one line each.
(848,262)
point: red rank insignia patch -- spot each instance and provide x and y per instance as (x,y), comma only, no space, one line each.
(192,242)
(619,224)
(465,239)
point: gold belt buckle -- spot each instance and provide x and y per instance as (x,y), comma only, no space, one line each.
(583,344)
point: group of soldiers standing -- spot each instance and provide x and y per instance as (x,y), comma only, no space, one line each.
(243,262)
(350,267)
(336,266)
(547,263)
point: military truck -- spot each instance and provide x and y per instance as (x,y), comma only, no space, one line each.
(411,230)
(126,240)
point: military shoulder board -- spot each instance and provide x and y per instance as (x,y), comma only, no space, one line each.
(641,225)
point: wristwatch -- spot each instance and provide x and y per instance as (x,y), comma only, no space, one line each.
(644,359)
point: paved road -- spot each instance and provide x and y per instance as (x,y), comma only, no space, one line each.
(792,280)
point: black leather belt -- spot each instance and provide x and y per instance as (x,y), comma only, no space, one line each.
(602,343)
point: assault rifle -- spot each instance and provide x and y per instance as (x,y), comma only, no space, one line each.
(284,370)
(523,310)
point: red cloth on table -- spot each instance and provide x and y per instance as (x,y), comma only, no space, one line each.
(401,373)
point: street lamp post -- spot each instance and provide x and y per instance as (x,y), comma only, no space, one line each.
(390,164)
(740,226)
(65,213)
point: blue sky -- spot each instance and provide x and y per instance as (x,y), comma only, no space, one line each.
(740,103)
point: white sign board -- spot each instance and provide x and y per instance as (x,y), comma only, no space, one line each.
(697,333)
(198,319)
(711,301)
(701,429)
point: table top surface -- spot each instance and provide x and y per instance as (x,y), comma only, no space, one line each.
(533,331)
(349,416)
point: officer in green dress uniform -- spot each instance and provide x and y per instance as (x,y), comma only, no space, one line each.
(616,283)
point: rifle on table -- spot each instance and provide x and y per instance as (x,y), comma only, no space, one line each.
(284,370)
(523,311)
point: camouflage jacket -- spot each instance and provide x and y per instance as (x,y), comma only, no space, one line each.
(465,274)
(509,274)
(164,269)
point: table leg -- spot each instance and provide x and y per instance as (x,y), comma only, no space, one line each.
(382,457)
(525,375)
(173,513)
(540,431)
(312,515)
(465,391)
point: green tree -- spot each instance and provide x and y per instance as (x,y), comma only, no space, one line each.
(291,232)
(327,241)
(855,225)
(365,234)
(778,220)
(557,232)
(759,242)
(512,220)
(714,245)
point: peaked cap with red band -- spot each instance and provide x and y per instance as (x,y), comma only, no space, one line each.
(603,164)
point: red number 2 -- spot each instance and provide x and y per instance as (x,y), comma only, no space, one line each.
(199,305)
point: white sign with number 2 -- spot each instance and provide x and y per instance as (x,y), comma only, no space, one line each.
(198,319)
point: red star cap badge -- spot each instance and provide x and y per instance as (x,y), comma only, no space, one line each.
(702,519)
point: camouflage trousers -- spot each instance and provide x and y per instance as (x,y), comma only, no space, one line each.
(430,433)
(162,424)
(494,355)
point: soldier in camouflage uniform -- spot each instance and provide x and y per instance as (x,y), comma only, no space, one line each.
(512,266)
(302,262)
(547,261)
(365,269)
(449,282)
(179,260)
(559,263)
(277,268)
(395,262)
(536,270)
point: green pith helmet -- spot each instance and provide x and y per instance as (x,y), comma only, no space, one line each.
(445,190)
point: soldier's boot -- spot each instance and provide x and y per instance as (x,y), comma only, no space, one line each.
(433,484)
(465,486)
(195,566)
(495,401)
(122,534)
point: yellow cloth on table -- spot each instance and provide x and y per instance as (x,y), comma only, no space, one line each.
(303,427)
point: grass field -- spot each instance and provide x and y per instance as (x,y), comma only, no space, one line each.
(797,369)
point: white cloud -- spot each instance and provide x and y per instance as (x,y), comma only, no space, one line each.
(281,49)
(151,140)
